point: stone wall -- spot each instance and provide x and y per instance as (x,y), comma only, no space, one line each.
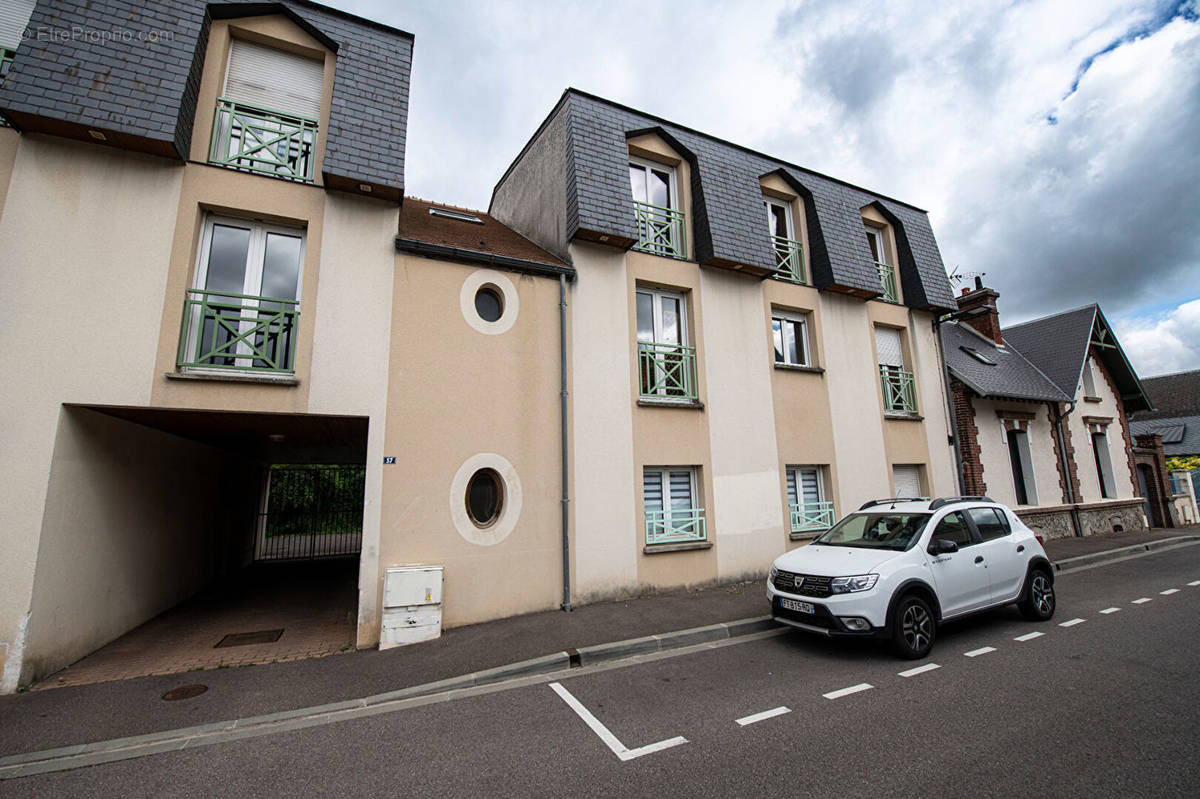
(1098,518)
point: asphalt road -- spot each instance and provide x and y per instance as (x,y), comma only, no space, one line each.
(1109,706)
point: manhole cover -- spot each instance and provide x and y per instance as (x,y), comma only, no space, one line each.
(184,692)
(245,639)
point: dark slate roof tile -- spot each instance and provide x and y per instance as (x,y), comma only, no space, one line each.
(1173,395)
(1183,430)
(1056,344)
(1008,376)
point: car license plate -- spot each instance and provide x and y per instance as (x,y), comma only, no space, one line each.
(801,607)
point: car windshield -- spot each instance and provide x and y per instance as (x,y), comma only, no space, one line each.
(876,530)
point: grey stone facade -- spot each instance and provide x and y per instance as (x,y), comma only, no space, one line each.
(1101,518)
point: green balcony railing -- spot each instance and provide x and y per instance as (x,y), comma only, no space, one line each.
(887,279)
(660,230)
(238,332)
(789,259)
(675,526)
(811,516)
(6,59)
(899,389)
(263,141)
(668,371)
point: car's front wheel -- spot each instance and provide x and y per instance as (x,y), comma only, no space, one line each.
(913,628)
(1037,600)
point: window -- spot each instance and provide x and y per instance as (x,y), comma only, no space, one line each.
(899,388)
(14,18)
(789,254)
(990,523)
(953,527)
(488,303)
(1089,382)
(1104,469)
(887,272)
(907,479)
(656,208)
(267,115)
(1022,467)
(244,310)
(666,364)
(485,497)
(669,501)
(790,334)
(807,507)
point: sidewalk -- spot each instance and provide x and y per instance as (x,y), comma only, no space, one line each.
(76,714)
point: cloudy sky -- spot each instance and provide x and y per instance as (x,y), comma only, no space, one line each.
(1056,145)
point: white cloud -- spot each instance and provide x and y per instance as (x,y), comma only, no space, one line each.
(1164,343)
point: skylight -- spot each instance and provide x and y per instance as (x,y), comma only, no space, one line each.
(461,216)
(977,355)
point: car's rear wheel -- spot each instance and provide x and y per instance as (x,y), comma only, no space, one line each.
(1037,600)
(913,628)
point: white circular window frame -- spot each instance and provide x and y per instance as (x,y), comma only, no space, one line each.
(508,296)
(510,509)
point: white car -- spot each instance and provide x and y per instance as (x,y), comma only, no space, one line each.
(897,568)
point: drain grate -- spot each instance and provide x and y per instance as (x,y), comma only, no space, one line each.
(184,692)
(245,639)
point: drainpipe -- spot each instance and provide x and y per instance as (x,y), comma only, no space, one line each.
(958,464)
(1062,454)
(562,402)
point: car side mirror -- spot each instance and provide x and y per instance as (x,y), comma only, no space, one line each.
(942,546)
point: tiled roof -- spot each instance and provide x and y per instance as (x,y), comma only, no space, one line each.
(1009,375)
(1172,395)
(488,236)
(1056,344)
(1181,434)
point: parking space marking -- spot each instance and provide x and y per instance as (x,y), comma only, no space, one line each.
(974,653)
(919,670)
(766,714)
(853,689)
(1194,582)
(1071,622)
(1107,611)
(1169,591)
(1141,601)
(1028,636)
(619,749)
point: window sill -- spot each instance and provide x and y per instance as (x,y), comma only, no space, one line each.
(795,367)
(903,417)
(236,377)
(658,549)
(649,402)
(1086,398)
(806,535)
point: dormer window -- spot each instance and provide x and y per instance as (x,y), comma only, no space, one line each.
(656,207)
(267,115)
(887,272)
(789,253)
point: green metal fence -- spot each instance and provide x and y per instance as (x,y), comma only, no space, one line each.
(238,331)
(675,526)
(811,516)
(887,280)
(789,259)
(312,512)
(660,230)
(265,141)
(899,389)
(668,371)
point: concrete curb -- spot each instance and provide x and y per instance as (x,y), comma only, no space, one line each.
(1104,556)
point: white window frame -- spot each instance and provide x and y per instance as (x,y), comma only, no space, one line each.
(768,201)
(793,472)
(1025,457)
(664,474)
(876,234)
(1104,466)
(1089,380)
(795,317)
(656,309)
(672,178)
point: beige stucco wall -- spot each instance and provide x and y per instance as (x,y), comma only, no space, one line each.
(929,371)
(455,393)
(994,456)
(1089,481)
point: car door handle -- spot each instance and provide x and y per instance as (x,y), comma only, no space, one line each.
(979,558)
(1021,548)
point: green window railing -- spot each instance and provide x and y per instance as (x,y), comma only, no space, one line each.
(887,279)
(675,526)
(238,332)
(660,230)
(899,389)
(789,259)
(668,371)
(6,59)
(811,516)
(263,141)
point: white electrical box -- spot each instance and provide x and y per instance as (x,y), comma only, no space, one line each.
(412,605)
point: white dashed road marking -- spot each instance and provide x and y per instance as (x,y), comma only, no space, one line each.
(766,714)
(1141,601)
(974,653)
(1194,582)
(1071,623)
(1028,636)
(919,670)
(619,749)
(853,689)
(1107,611)
(1169,591)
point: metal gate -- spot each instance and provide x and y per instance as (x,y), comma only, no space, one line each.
(311,512)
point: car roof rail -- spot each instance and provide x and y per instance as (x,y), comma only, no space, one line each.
(890,501)
(943,501)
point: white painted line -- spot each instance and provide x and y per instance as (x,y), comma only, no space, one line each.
(1141,601)
(853,689)
(766,714)
(619,749)
(919,670)
(974,653)
(1107,611)
(1169,591)
(1028,636)
(1071,622)
(1194,582)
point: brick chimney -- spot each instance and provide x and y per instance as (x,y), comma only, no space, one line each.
(988,320)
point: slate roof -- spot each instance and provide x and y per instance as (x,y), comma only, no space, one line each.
(727,202)
(1181,434)
(1010,376)
(1173,395)
(147,86)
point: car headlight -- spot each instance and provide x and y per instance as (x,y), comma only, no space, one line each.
(848,585)
(774,573)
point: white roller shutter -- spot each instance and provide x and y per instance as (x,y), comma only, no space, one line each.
(907,479)
(274,79)
(887,345)
(14,16)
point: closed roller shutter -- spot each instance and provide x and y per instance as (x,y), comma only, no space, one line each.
(274,79)
(908,480)
(14,16)
(887,345)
